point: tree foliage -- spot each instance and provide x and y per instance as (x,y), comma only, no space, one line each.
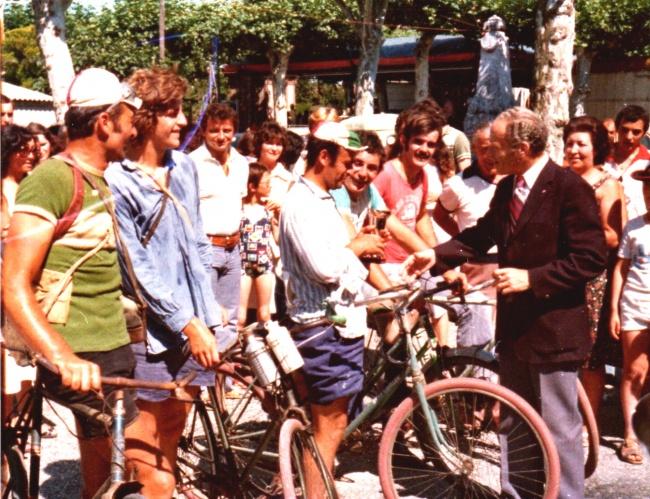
(614,29)
(22,59)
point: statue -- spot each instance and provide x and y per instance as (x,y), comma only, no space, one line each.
(494,86)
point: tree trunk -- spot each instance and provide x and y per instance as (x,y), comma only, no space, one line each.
(279,61)
(555,33)
(422,48)
(374,15)
(584,59)
(49,19)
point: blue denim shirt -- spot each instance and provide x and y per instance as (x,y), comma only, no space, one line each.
(173,268)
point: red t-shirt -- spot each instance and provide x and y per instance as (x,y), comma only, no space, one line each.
(406,201)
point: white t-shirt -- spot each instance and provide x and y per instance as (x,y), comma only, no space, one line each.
(632,189)
(635,246)
(468,199)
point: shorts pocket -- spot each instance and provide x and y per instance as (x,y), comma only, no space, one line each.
(54,293)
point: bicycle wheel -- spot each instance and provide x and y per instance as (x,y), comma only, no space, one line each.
(16,482)
(197,458)
(483,367)
(296,442)
(476,421)
(217,449)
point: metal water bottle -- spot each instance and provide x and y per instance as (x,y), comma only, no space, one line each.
(284,348)
(260,360)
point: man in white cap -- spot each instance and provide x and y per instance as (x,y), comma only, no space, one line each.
(60,220)
(320,261)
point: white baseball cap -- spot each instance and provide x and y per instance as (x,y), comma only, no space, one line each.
(95,87)
(332,131)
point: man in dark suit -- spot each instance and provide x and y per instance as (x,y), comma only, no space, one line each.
(544,221)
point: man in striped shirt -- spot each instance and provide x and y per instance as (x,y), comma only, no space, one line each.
(321,261)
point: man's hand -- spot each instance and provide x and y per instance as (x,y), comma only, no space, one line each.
(369,245)
(418,262)
(510,280)
(453,276)
(77,373)
(203,344)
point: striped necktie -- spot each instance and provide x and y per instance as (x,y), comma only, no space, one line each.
(518,200)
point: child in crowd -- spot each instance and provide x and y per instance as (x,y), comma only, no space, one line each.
(630,315)
(258,227)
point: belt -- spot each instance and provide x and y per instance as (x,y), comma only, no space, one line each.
(228,242)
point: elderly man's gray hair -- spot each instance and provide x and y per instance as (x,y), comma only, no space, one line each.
(523,125)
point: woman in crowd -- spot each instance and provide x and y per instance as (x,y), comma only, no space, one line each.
(19,156)
(586,147)
(44,141)
(18,159)
(270,142)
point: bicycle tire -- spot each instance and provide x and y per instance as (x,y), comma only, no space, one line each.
(294,440)
(463,471)
(196,457)
(463,365)
(225,463)
(17,482)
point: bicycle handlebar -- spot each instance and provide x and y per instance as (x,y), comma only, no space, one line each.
(126,382)
(409,293)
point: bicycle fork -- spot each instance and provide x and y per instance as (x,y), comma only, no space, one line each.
(429,414)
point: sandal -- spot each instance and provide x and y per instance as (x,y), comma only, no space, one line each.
(630,452)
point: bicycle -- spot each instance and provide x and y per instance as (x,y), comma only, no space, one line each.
(446,434)
(23,427)
(225,451)
(481,361)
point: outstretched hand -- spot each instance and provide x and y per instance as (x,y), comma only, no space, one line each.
(418,263)
(453,276)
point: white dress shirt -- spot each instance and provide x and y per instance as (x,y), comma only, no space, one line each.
(221,195)
(531,175)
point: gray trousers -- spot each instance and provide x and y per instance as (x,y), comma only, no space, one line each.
(552,391)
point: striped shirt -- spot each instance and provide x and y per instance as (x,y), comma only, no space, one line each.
(317,263)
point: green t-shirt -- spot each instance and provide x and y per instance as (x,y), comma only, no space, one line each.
(94,320)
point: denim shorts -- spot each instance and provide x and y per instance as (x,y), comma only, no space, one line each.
(171,365)
(117,362)
(333,364)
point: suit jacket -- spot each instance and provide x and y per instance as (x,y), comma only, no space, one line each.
(560,240)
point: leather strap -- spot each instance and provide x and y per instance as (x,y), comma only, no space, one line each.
(156,222)
(123,248)
(64,223)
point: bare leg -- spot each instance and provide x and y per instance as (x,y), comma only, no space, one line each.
(263,289)
(152,443)
(441,329)
(95,459)
(329,426)
(636,345)
(244,293)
